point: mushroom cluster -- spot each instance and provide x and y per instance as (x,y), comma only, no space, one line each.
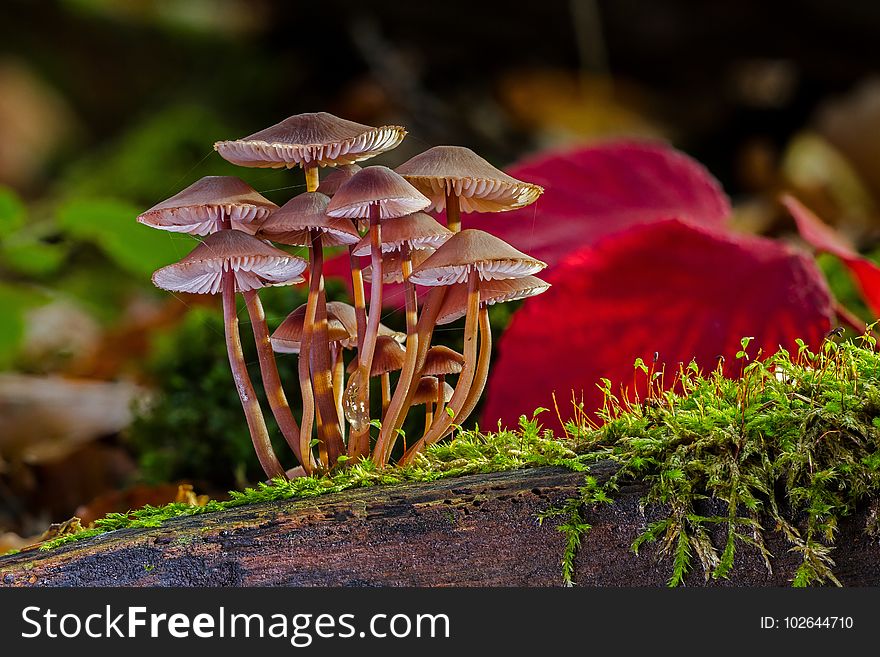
(375,212)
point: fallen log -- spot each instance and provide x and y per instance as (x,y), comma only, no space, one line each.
(477,530)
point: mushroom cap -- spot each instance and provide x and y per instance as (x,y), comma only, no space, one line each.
(442,360)
(287,337)
(255,263)
(492,258)
(346,314)
(491,292)
(376,185)
(419,230)
(312,139)
(392,266)
(333,180)
(427,389)
(458,170)
(388,357)
(199,209)
(291,223)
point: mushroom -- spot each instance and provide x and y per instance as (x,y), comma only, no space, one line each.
(439,362)
(228,261)
(220,203)
(389,357)
(392,266)
(339,175)
(468,256)
(457,179)
(428,391)
(310,141)
(302,221)
(208,205)
(376,193)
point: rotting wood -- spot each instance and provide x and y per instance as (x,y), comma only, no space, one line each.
(477,530)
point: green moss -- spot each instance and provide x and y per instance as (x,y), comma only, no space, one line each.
(792,446)
(794,441)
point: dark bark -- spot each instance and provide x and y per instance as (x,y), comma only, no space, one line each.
(478,530)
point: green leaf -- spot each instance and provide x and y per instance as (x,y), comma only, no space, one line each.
(33,258)
(12,212)
(112,226)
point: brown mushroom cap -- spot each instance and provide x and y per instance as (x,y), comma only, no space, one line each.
(346,314)
(479,186)
(334,180)
(199,209)
(313,139)
(418,230)
(491,292)
(426,391)
(380,186)
(388,357)
(255,263)
(287,337)
(392,266)
(291,223)
(474,250)
(442,360)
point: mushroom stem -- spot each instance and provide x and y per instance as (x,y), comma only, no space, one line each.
(396,409)
(269,370)
(429,413)
(360,303)
(319,359)
(482,373)
(252,411)
(311,178)
(359,443)
(465,379)
(305,382)
(424,330)
(453,212)
(441,395)
(338,382)
(386,393)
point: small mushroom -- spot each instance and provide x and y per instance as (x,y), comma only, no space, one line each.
(468,256)
(208,205)
(440,362)
(228,261)
(431,390)
(310,141)
(375,193)
(389,357)
(337,177)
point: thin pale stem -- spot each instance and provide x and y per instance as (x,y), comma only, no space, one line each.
(252,411)
(442,424)
(396,408)
(359,443)
(429,416)
(305,382)
(338,382)
(269,370)
(319,359)
(360,302)
(386,393)
(441,396)
(312,181)
(482,373)
(453,212)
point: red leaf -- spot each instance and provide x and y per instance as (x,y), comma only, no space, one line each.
(601,189)
(668,287)
(824,238)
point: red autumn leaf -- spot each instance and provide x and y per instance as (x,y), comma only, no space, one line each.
(824,238)
(683,291)
(601,189)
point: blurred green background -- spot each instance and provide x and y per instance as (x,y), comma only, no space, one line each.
(112,392)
